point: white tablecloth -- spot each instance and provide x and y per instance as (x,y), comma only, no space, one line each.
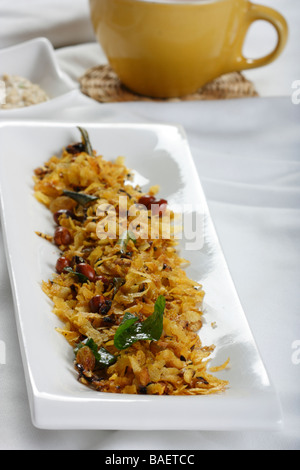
(247,155)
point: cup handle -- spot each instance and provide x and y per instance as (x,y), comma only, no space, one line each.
(254,13)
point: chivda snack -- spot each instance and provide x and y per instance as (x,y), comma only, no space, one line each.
(127,307)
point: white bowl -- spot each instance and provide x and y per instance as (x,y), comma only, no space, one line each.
(35,61)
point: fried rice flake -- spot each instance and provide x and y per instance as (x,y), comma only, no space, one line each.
(177,363)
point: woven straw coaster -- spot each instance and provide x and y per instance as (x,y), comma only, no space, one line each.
(102,84)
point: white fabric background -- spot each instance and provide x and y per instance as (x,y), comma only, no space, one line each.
(247,155)
(63,22)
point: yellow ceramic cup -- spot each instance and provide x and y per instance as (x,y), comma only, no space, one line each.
(170,48)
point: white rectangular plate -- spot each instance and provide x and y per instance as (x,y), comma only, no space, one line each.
(159,154)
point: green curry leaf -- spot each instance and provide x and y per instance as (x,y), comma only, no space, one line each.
(124,239)
(103,357)
(132,330)
(86,141)
(118,282)
(81,198)
(81,277)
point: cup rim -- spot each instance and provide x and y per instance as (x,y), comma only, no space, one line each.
(178,2)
